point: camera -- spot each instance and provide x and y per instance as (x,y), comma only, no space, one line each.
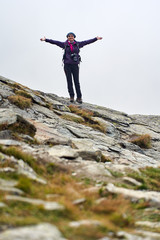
(74,56)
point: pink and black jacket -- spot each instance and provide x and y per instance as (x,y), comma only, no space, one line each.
(71,49)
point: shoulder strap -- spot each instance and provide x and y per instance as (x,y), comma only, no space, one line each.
(65,46)
(77,45)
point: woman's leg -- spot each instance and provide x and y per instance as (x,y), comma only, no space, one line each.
(75,71)
(68,73)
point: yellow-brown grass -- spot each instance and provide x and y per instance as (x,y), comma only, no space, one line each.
(20,101)
(87,116)
(23,93)
(143,141)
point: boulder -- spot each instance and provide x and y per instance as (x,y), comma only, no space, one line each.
(63,152)
(151,196)
(9,119)
(43,231)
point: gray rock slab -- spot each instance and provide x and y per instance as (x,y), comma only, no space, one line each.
(109,128)
(1,98)
(85,222)
(148,235)
(110,115)
(9,142)
(78,131)
(148,224)
(84,144)
(129,236)
(131,181)
(79,201)
(130,146)
(122,168)
(46,204)
(10,117)
(44,111)
(7,116)
(152,196)
(2,205)
(90,155)
(25,169)
(153,153)
(57,140)
(7,169)
(5,90)
(43,231)
(7,183)
(153,121)
(63,152)
(92,169)
(53,102)
(44,132)
(11,190)
(6,134)
(140,130)
(135,158)
(37,98)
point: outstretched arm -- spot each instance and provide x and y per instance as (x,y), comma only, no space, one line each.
(99,38)
(58,43)
(83,43)
(43,39)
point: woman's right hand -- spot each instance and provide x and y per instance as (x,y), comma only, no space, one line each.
(43,39)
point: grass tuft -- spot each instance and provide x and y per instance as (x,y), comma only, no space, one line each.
(72,118)
(23,94)
(25,185)
(20,101)
(149,178)
(87,116)
(18,154)
(81,112)
(143,141)
(122,220)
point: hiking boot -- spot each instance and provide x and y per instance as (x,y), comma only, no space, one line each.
(79,100)
(71,99)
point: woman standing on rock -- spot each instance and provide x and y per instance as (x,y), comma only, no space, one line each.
(71,61)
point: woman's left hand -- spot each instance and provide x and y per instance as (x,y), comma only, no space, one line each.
(99,38)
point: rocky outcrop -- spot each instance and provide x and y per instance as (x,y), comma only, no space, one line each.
(96,147)
(42,231)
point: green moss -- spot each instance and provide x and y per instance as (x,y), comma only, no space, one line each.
(85,233)
(25,185)
(116,174)
(149,177)
(9,175)
(122,220)
(141,204)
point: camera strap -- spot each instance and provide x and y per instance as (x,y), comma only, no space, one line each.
(65,47)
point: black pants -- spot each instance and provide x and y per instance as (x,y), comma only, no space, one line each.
(72,70)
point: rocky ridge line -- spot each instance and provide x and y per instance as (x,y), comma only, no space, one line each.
(75,145)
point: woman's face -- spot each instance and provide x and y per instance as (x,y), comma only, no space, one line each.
(70,38)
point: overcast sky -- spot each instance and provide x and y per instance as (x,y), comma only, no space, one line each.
(121,72)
